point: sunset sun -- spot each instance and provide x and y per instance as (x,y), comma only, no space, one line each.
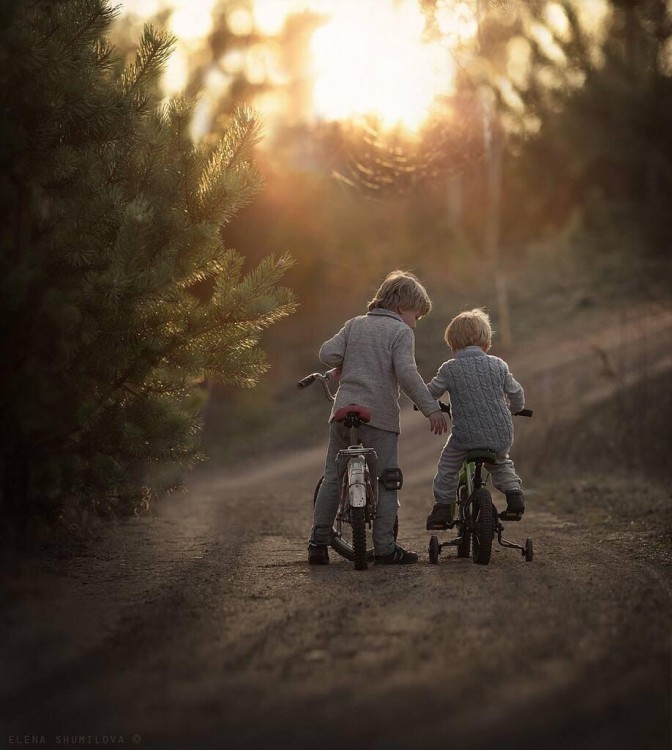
(371,59)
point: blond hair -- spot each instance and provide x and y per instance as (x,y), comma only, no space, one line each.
(401,290)
(469,328)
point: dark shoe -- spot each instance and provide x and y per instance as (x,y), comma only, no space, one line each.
(515,505)
(318,554)
(440,517)
(399,556)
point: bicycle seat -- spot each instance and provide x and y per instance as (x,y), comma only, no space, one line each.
(487,456)
(361,411)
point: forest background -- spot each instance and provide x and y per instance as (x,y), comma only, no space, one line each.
(537,187)
(532,179)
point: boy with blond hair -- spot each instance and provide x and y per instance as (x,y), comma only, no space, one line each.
(376,354)
(483,396)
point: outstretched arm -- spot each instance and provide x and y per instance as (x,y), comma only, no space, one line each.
(515,393)
(408,377)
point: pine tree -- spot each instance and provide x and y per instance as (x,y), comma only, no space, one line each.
(604,147)
(118,296)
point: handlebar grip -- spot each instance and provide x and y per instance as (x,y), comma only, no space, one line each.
(524,413)
(305,382)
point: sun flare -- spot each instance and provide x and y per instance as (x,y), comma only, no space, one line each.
(370,58)
(367,58)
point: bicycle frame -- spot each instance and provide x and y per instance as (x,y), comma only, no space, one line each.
(471,476)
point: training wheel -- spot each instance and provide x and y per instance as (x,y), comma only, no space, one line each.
(529,550)
(434,550)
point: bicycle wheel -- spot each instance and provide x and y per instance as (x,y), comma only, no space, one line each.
(434,549)
(481,509)
(342,536)
(358,521)
(529,551)
(464,546)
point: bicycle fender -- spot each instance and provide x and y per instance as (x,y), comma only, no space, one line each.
(357,482)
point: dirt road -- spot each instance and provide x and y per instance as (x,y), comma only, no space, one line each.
(205,628)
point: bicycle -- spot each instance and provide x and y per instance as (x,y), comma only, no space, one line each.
(358,479)
(478,521)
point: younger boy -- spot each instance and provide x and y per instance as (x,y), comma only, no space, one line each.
(376,353)
(483,395)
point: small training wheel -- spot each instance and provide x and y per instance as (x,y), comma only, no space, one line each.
(434,550)
(529,550)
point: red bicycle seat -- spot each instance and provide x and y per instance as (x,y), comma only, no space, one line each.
(361,411)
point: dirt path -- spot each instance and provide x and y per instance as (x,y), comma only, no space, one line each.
(205,628)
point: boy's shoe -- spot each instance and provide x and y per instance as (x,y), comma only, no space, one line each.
(515,505)
(398,556)
(318,554)
(440,517)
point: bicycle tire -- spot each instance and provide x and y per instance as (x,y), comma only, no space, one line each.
(358,521)
(529,551)
(339,543)
(481,509)
(434,549)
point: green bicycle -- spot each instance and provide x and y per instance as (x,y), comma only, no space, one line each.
(477,521)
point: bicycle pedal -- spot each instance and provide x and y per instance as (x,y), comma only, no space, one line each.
(509,516)
(439,526)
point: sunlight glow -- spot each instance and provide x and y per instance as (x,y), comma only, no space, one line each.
(543,36)
(370,59)
(665,58)
(240,21)
(188,25)
(592,15)
(176,72)
(270,15)
(142,8)
(556,18)
(519,61)
(509,93)
(367,58)
(457,22)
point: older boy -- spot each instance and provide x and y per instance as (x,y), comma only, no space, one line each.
(376,353)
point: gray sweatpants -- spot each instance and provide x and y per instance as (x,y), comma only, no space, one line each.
(326,504)
(503,473)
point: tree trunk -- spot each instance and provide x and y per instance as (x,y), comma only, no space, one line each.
(494,151)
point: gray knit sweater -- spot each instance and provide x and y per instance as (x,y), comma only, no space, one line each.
(479,386)
(377,354)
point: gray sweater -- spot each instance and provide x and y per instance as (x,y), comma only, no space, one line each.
(377,354)
(483,394)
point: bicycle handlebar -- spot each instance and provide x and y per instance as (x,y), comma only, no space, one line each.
(323,377)
(446,408)
(308,380)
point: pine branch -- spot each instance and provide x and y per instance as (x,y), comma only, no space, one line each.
(100,17)
(155,48)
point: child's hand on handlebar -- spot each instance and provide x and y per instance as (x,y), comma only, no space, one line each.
(437,422)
